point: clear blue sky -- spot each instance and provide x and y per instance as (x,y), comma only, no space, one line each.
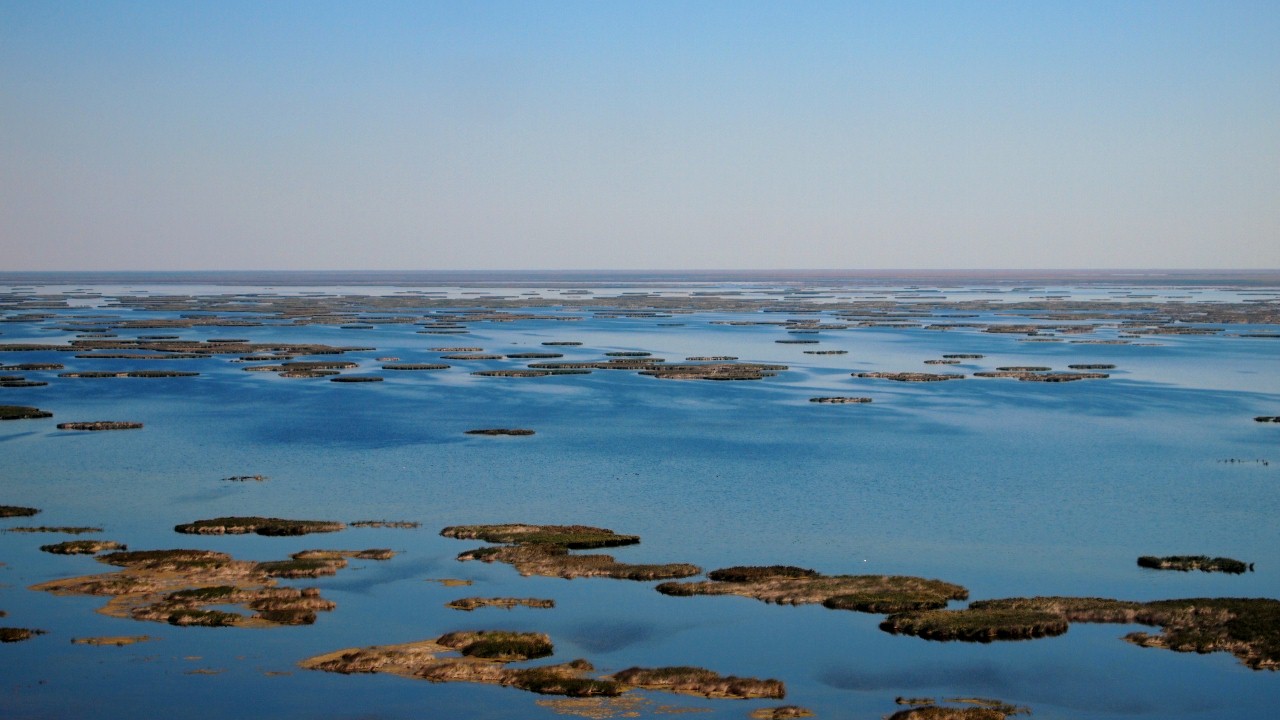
(657,135)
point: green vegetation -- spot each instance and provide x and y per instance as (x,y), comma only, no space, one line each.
(211,594)
(258,525)
(471,603)
(1249,628)
(554,681)
(22,412)
(1202,563)
(754,573)
(910,376)
(498,644)
(82,547)
(404,524)
(980,625)
(698,681)
(17,511)
(573,537)
(204,618)
(787,585)
(296,568)
(13,634)
(166,559)
(544,550)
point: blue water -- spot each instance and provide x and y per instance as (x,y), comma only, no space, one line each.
(1007,488)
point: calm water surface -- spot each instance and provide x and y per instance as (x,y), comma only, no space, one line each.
(1007,488)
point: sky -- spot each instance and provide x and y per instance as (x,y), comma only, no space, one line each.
(233,135)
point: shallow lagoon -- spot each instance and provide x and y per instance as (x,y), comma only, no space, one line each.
(1008,488)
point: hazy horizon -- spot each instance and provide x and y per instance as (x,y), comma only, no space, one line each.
(658,135)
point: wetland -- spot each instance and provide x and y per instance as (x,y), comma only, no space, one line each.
(945,543)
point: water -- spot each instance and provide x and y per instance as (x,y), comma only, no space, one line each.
(1008,488)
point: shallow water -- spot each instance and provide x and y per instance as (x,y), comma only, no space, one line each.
(1008,488)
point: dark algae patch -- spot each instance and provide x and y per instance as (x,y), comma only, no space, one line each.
(1202,563)
(501,431)
(258,525)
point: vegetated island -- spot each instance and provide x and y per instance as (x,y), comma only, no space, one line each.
(178,586)
(115,640)
(258,525)
(22,412)
(98,425)
(16,634)
(544,550)
(1267,419)
(416,366)
(978,709)
(245,478)
(82,547)
(481,656)
(17,511)
(910,376)
(839,400)
(1040,375)
(790,585)
(1248,628)
(1202,563)
(405,524)
(471,603)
